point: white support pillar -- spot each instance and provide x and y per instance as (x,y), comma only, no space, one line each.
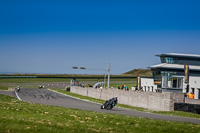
(108,76)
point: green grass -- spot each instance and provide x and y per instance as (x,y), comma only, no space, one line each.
(171,113)
(115,85)
(129,85)
(21,117)
(21,86)
(51,80)
(113,82)
(42,80)
(33,80)
(3,88)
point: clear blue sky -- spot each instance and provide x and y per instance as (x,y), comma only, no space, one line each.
(51,36)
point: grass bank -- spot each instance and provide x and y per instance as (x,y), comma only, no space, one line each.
(33,80)
(20,117)
(3,88)
(113,82)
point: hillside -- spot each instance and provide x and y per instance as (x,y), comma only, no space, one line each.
(141,72)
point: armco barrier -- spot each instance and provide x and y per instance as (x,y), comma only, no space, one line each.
(150,100)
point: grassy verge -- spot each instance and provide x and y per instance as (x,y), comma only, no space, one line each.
(42,80)
(3,88)
(115,85)
(113,82)
(22,86)
(20,117)
(34,80)
(129,85)
(171,113)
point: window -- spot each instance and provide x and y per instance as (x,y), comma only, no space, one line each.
(199,93)
(192,90)
(170,60)
(162,60)
(174,82)
(177,83)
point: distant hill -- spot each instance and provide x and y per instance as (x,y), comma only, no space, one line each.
(141,72)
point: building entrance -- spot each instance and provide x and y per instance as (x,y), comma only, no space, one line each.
(177,82)
(172,82)
(199,93)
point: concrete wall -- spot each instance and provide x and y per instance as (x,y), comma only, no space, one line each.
(150,100)
(192,101)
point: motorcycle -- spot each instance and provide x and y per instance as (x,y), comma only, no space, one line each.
(107,105)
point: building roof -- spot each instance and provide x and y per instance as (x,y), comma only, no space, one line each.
(174,66)
(180,55)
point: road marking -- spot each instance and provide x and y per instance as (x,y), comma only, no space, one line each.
(17,95)
(75,97)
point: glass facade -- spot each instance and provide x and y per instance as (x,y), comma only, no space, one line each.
(168,78)
(170,82)
(169,60)
(158,73)
(180,60)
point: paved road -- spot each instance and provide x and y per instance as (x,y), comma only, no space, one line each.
(48,97)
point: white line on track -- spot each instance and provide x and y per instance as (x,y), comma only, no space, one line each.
(17,95)
(74,97)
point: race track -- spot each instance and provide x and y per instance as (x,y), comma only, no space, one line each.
(47,97)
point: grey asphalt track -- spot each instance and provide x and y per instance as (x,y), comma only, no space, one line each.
(47,97)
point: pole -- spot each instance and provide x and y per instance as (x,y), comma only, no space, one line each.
(84,68)
(108,76)
(105,79)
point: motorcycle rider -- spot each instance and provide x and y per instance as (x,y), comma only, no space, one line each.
(18,88)
(114,101)
(109,104)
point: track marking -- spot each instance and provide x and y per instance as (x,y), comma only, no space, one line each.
(18,96)
(74,97)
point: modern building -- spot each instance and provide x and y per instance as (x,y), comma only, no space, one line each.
(170,75)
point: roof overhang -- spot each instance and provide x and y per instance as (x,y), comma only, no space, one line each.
(174,66)
(180,55)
